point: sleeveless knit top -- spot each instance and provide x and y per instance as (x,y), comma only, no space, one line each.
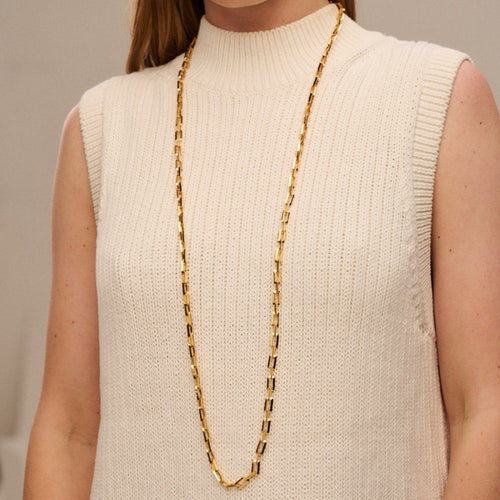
(358,411)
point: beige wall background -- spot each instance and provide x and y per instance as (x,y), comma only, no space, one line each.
(51,52)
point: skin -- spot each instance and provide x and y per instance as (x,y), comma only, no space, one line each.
(254,15)
(63,438)
(466,285)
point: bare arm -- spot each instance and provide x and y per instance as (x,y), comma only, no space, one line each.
(466,281)
(63,438)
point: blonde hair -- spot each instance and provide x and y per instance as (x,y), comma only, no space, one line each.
(163,29)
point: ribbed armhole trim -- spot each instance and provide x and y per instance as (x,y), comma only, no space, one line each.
(433,106)
(91,124)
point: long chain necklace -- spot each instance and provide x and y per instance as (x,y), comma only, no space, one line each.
(278,259)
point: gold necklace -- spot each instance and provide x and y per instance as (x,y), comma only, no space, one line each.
(278,259)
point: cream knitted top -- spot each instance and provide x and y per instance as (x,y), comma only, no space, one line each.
(357,412)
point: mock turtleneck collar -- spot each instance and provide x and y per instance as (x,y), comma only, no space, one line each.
(253,60)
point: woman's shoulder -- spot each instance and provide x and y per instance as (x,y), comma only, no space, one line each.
(388,47)
(129,83)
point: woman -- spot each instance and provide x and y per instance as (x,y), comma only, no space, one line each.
(398,150)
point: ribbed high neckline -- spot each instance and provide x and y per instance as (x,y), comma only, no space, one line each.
(254,60)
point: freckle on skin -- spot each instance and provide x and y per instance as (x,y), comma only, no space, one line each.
(55,335)
(450,250)
(465,185)
(480,123)
(73,321)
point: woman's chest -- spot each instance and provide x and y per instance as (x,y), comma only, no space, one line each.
(349,229)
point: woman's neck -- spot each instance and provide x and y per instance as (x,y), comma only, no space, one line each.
(258,60)
(265,15)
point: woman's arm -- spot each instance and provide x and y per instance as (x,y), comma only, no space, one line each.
(466,284)
(63,438)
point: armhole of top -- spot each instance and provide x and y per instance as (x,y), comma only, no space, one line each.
(437,85)
(90,110)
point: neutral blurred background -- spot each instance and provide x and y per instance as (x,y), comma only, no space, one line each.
(51,51)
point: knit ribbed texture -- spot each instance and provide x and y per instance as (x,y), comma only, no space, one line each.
(90,113)
(357,408)
(434,100)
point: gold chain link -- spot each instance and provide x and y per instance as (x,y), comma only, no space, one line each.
(278,259)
